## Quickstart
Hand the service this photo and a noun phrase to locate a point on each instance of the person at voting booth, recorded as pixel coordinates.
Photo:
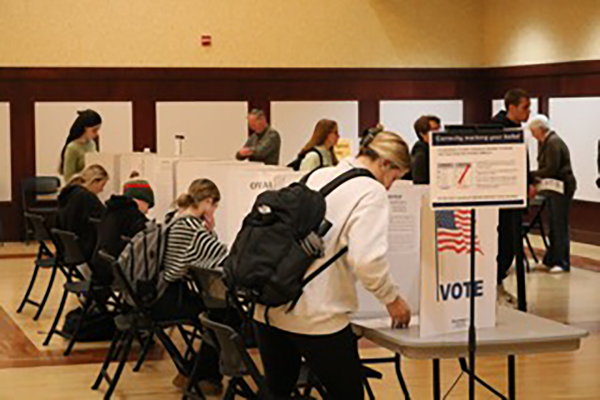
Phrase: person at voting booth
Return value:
(264, 143)
(554, 162)
(192, 243)
(318, 152)
(318, 327)
(420, 151)
(517, 110)
(81, 140)
(124, 217)
(79, 202)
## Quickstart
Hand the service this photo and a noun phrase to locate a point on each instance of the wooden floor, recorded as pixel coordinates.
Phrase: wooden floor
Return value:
(29, 370)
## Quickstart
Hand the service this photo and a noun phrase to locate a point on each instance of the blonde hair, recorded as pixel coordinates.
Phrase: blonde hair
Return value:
(93, 173)
(322, 130)
(199, 190)
(388, 146)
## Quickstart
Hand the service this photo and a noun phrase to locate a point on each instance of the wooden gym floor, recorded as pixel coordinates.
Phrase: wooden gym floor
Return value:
(29, 370)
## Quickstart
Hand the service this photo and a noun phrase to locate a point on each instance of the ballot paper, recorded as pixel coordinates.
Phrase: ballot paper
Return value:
(382, 322)
(551, 185)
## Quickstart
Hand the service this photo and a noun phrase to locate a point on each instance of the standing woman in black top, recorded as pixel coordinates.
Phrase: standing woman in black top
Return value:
(420, 151)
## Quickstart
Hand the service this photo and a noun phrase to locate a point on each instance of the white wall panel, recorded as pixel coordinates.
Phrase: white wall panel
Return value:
(577, 121)
(400, 116)
(215, 130)
(296, 120)
(54, 119)
(5, 153)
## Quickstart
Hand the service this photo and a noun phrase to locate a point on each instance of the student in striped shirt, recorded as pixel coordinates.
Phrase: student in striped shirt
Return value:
(192, 243)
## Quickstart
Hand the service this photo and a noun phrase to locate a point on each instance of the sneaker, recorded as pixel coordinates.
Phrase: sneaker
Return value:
(504, 298)
(557, 270)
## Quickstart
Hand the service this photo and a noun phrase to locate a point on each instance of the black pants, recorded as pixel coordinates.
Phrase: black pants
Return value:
(333, 358)
(559, 252)
(509, 240)
(180, 302)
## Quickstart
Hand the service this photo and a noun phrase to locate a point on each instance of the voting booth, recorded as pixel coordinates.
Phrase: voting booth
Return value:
(239, 184)
(159, 171)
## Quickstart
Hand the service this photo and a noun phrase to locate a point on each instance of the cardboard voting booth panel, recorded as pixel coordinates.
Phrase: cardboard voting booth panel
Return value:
(404, 245)
(239, 184)
(445, 270)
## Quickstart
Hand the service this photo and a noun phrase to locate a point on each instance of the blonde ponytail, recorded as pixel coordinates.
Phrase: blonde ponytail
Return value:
(199, 190)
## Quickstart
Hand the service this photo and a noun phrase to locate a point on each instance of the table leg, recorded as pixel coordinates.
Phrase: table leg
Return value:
(512, 385)
(437, 389)
(398, 365)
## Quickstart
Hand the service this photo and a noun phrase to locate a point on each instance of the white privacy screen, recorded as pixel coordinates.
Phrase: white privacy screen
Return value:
(215, 130)
(5, 167)
(54, 119)
(296, 120)
(577, 121)
(399, 116)
(532, 145)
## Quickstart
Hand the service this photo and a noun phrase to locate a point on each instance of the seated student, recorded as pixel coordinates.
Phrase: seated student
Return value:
(192, 243)
(78, 202)
(420, 151)
(125, 216)
(318, 152)
(318, 328)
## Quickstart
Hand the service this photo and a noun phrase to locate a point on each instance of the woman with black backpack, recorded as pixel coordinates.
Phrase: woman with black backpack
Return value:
(318, 328)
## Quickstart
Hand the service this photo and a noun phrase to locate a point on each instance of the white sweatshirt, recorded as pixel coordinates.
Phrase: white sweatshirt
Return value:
(359, 212)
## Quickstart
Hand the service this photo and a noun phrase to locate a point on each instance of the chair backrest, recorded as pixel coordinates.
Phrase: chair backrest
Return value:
(121, 282)
(40, 185)
(234, 357)
(212, 286)
(69, 250)
(37, 223)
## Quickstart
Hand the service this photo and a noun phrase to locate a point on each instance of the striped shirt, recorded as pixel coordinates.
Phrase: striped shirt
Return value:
(190, 244)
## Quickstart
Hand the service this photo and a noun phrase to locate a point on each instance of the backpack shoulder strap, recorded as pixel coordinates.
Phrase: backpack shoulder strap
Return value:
(320, 156)
(343, 178)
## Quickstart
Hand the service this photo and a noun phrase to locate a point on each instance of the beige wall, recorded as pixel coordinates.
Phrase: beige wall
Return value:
(541, 31)
(246, 33)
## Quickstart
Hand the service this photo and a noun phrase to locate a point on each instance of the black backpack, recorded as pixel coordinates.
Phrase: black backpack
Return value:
(279, 240)
(297, 163)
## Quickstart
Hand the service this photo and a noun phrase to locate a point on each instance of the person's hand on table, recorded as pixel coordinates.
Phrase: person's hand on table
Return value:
(246, 152)
(400, 313)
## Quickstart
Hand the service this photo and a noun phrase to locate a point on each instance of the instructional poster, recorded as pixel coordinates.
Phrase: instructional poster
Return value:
(404, 245)
(445, 270)
(478, 169)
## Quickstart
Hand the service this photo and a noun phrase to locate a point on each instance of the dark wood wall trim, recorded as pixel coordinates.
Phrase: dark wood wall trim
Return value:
(22, 87)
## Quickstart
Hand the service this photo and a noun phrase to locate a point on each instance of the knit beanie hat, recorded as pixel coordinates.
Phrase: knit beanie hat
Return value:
(139, 189)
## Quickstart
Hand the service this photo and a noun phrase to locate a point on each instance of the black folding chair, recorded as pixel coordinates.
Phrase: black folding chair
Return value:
(31, 189)
(133, 320)
(70, 258)
(45, 259)
(215, 293)
(538, 204)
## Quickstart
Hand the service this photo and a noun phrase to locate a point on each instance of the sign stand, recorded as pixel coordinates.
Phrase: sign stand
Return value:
(477, 167)
(472, 330)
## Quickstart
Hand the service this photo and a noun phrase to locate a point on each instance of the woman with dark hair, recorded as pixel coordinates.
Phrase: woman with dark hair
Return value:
(318, 152)
(81, 140)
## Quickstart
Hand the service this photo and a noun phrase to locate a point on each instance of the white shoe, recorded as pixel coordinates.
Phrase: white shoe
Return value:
(556, 270)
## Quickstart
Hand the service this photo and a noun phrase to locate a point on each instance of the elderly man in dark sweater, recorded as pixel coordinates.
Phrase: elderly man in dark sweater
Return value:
(554, 162)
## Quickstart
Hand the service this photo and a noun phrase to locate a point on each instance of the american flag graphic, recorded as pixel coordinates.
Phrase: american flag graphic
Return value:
(454, 232)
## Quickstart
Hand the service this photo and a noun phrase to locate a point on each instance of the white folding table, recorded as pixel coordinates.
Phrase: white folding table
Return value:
(515, 333)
